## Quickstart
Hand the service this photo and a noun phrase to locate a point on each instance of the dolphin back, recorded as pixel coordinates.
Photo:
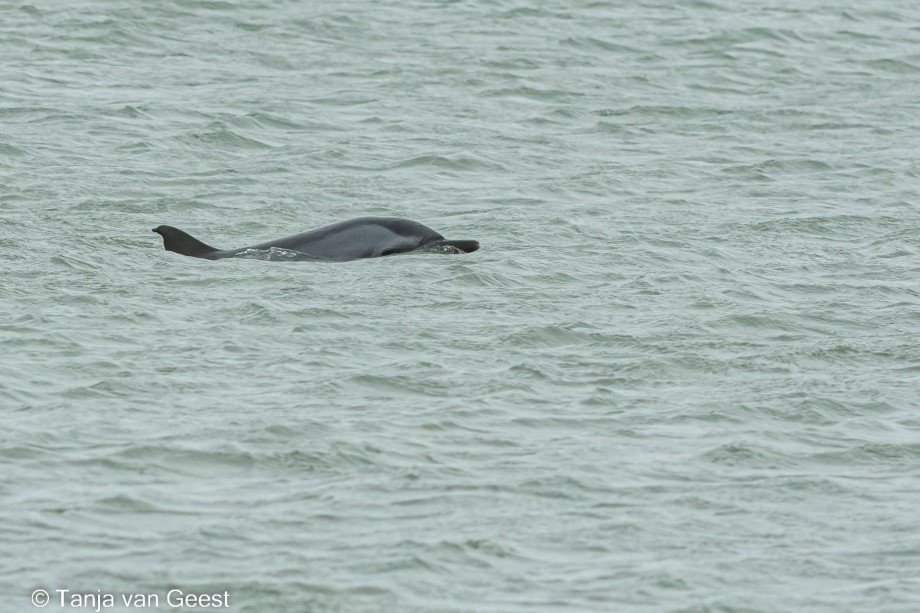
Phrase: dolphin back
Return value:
(364, 237)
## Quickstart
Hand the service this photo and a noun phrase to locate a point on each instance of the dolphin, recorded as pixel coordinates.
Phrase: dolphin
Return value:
(364, 237)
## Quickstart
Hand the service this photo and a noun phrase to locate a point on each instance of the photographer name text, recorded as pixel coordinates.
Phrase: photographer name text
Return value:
(99, 600)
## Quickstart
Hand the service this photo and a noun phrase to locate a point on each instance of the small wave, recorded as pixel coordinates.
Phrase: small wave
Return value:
(11, 150)
(459, 163)
(449, 249)
(533, 93)
(589, 43)
(276, 254)
(220, 136)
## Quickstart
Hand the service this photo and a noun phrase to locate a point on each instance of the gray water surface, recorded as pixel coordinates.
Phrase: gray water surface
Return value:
(682, 373)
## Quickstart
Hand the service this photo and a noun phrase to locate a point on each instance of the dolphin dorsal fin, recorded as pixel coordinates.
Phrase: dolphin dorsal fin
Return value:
(183, 243)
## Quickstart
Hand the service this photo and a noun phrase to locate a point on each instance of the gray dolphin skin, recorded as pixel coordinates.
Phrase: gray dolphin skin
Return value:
(364, 237)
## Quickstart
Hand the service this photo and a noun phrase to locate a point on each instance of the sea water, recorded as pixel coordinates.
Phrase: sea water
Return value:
(681, 374)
